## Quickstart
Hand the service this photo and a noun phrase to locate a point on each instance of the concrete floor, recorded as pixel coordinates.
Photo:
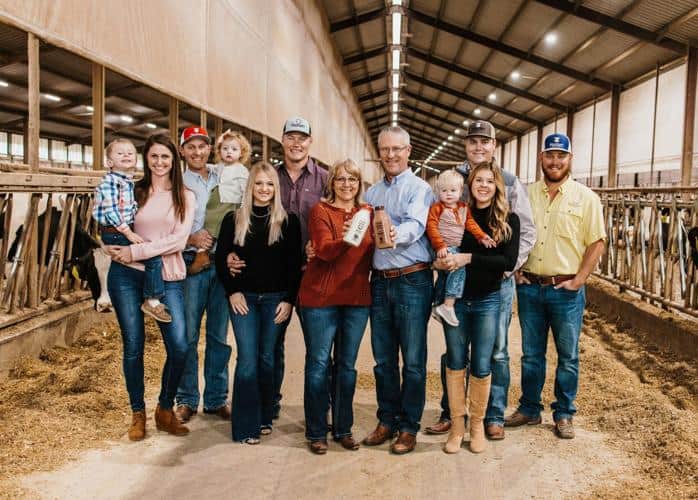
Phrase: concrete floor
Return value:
(529, 463)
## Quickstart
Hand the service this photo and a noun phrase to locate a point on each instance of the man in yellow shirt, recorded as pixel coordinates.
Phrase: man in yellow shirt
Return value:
(550, 286)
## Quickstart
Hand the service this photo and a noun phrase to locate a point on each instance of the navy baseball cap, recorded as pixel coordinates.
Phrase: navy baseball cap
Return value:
(557, 142)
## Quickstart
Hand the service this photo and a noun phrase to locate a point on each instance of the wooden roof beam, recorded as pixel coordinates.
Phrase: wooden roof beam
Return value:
(356, 20)
(365, 55)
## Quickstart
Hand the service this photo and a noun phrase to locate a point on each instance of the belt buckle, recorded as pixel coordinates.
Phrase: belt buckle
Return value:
(553, 280)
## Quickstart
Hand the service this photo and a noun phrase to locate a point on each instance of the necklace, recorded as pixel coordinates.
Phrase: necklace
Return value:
(262, 216)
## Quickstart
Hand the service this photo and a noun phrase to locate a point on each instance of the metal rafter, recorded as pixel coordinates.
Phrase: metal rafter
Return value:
(615, 24)
(368, 79)
(508, 49)
(476, 75)
(365, 54)
(356, 19)
(480, 102)
(372, 95)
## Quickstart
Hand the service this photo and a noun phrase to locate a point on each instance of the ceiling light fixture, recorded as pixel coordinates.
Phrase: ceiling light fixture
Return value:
(396, 80)
(151, 125)
(395, 95)
(52, 97)
(126, 119)
(396, 59)
(397, 28)
(466, 123)
(477, 111)
(492, 97)
(551, 38)
(3, 83)
(515, 75)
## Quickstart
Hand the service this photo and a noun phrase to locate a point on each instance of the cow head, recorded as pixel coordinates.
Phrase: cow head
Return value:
(91, 263)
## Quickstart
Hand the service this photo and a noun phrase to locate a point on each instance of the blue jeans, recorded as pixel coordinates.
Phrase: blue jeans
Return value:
(476, 332)
(153, 284)
(499, 364)
(542, 308)
(253, 388)
(399, 314)
(344, 327)
(452, 282)
(203, 292)
(125, 286)
(500, 358)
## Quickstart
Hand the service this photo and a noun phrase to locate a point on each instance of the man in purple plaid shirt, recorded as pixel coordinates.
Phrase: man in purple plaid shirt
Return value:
(115, 211)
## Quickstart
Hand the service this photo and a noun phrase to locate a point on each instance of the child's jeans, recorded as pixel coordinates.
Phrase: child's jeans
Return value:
(450, 284)
(153, 284)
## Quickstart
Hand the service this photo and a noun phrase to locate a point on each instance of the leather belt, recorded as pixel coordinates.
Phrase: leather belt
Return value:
(401, 271)
(548, 280)
(108, 229)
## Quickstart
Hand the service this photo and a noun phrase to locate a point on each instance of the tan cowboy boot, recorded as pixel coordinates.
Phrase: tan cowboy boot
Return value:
(137, 430)
(455, 386)
(479, 394)
(165, 420)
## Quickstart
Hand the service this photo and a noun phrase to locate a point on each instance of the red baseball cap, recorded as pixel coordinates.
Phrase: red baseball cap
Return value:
(190, 133)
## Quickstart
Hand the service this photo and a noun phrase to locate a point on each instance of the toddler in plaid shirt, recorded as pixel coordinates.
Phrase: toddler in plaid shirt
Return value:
(115, 211)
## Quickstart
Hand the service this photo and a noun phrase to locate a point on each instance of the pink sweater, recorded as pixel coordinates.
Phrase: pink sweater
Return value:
(164, 233)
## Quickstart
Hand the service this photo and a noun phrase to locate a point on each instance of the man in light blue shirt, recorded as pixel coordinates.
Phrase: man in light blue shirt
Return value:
(401, 287)
(203, 292)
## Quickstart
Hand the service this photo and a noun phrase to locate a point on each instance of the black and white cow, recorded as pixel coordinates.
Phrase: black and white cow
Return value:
(88, 261)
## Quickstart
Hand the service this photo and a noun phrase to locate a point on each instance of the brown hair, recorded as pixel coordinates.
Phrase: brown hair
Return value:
(229, 135)
(499, 208)
(142, 189)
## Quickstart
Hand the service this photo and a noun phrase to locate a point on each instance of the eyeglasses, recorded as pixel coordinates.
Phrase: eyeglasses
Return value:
(346, 180)
(395, 150)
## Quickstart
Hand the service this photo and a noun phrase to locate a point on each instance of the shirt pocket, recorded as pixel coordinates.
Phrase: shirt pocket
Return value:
(569, 222)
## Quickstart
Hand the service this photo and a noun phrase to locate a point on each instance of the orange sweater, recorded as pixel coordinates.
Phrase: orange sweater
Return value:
(433, 224)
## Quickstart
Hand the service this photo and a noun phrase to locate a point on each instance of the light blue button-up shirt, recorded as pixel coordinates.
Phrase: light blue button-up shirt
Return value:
(406, 199)
(202, 189)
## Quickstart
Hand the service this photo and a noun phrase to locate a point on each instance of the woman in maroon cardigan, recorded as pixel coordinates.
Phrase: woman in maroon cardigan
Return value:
(334, 302)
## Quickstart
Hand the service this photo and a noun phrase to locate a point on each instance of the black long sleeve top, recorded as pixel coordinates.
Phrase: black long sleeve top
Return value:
(268, 268)
(486, 269)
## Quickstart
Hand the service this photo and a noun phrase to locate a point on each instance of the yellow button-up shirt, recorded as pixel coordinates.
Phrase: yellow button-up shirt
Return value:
(565, 226)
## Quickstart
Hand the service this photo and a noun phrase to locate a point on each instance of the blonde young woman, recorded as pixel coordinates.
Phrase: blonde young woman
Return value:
(478, 310)
(261, 296)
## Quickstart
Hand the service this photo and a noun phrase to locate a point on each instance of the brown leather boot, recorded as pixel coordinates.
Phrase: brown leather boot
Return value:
(477, 404)
(165, 420)
(201, 261)
(455, 385)
(137, 430)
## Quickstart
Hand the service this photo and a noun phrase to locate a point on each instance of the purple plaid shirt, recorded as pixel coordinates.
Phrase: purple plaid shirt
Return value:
(299, 197)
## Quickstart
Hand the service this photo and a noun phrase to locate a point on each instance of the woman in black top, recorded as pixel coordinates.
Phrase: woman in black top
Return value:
(261, 296)
(478, 310)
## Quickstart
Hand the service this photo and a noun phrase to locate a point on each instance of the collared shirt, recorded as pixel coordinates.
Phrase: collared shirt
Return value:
(407, 200)
(202, 190)
(300, 196)
(115, 203)
(566, 226)
(518, 203)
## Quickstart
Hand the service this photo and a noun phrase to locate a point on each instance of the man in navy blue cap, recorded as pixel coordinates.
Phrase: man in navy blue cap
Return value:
(550, 286)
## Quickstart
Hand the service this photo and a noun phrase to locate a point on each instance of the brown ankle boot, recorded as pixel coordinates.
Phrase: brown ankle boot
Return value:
(455, 385)
(137, 430)
(165, 420)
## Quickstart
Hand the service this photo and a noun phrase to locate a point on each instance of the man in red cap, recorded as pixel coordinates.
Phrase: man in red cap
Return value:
(203, 292)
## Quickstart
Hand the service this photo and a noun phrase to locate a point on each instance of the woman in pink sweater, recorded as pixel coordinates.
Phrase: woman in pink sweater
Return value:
(164, 219)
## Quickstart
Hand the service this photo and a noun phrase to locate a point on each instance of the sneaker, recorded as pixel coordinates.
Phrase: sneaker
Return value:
(159, 312)
(448, 314)
(435, 315)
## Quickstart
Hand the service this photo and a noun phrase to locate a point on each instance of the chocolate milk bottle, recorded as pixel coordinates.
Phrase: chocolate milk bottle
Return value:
(381, 228)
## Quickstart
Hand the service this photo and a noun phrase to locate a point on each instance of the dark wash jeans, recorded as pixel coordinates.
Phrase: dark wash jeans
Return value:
(253, 387)
(125, 287)
(543, 308)
(344, 327)
(477, 331)
(153, 284)
(399, 314)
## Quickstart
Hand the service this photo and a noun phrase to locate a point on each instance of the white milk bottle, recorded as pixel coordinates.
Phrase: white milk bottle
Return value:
(359, 225)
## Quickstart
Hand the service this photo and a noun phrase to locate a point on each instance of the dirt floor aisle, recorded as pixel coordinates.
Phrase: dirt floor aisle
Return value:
(531, 462)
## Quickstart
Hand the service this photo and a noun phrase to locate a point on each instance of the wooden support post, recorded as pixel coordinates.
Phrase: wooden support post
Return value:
(265, 149)
(613, 139)
(518, 155)
(173, 120)
(203, 118)
(539, 147)
(97, 116)
(31, 151)
(218, 127)
(689, 116)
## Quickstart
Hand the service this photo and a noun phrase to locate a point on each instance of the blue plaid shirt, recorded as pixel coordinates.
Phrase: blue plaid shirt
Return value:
(115, 203)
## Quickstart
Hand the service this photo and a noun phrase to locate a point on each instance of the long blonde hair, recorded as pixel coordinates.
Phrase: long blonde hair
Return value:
(277, 214)
(499, 208)
(351, 169)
